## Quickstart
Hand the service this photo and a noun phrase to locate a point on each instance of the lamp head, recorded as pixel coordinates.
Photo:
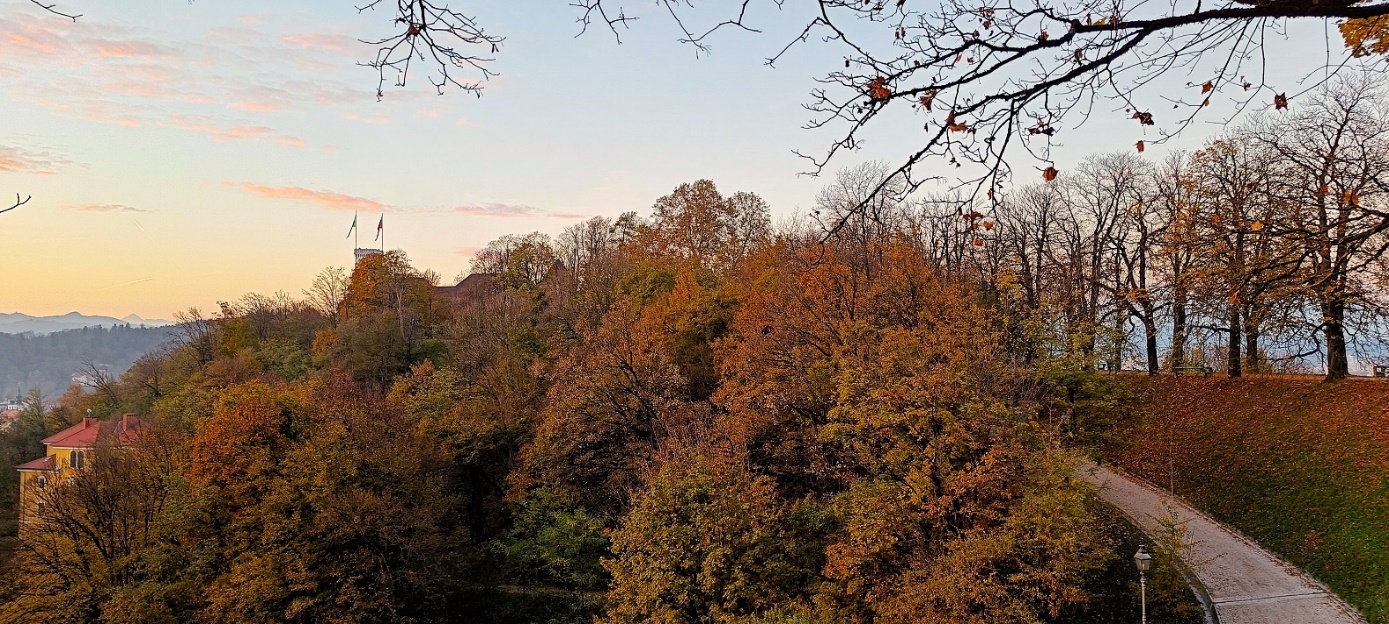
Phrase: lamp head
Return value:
(1142, 559)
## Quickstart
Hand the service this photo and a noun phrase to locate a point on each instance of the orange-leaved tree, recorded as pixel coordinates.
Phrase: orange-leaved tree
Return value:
(707, 540)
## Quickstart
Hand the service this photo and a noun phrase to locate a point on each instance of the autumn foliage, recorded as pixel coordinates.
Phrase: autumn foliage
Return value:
(687, 418)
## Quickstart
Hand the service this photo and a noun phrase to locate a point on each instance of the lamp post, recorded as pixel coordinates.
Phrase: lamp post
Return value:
(1144, 561)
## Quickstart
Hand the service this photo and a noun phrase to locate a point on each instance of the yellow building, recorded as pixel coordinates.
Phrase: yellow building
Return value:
(67, 451)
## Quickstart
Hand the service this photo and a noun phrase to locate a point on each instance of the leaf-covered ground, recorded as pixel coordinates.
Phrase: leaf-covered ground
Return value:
(1300, 466)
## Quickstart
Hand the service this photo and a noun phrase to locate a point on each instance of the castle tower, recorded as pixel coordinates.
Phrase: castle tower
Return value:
(362, 253)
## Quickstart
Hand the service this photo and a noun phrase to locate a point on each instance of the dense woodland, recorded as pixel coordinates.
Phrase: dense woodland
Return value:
(47, 362)
(693, 416)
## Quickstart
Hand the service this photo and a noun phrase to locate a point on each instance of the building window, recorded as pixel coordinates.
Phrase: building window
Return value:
(77, 460)
(41, 483)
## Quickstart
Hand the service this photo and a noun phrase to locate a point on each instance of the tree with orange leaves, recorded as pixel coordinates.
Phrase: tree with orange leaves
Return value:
(706, 541)
(890, 398)
(612, 403)
(697, 224)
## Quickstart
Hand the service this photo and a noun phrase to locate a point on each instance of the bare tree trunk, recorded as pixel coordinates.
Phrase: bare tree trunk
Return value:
(1179, 329)
(1337, 362)
(1252, 361)
(1116, 362)
(1150, 333)
(1233, 359)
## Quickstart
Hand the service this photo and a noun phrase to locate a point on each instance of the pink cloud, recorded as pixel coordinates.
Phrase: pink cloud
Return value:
(18, 42)
(152, 91)
(127, 49)
(252, 106)
(327, 199)
(100, 61)
(20, 160)
(243, 132)
(220, 82)
(372, 118)
(105, 111)
(340, 44)
(212, 128)
(113, 208)
(496, 210)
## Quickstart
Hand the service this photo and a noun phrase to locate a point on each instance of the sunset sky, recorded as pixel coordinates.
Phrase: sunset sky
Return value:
(184, 153)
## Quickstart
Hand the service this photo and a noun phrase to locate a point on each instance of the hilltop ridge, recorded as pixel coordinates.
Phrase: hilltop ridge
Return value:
(18, 322)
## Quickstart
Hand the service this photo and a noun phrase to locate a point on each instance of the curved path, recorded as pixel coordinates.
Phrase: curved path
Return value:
(1247, 584)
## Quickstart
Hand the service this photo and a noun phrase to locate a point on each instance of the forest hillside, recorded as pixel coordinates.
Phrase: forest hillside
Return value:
(689, 416)
(48, 361)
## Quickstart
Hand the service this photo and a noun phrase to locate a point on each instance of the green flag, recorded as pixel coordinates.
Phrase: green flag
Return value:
(354, 225)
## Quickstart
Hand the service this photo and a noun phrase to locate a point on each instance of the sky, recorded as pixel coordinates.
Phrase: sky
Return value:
(183, 153)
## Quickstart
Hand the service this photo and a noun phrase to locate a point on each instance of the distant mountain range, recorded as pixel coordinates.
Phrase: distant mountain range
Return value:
(17, 323)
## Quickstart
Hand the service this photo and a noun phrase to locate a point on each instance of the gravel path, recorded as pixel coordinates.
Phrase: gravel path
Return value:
(1247, 584)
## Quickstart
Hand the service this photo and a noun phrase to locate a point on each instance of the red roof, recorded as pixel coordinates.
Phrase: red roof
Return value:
(473, 286)
(85, 433)
(42, 463)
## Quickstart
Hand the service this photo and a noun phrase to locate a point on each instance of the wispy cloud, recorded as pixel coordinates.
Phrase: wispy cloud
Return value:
(340, 44)
(20, 160)
(218, 132)
(130, 75)
(130, 283)
(493, 209)
(117, 208)
(371, 118)
(497, 210)
(344, 201)
(127, 49)
(238, 133)
(327, 199)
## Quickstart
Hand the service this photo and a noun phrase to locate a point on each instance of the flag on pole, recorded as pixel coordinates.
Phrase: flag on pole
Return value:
(379, 226)
(354, 225)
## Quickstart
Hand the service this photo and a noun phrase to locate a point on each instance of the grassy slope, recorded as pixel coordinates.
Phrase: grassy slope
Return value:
(1300, 466)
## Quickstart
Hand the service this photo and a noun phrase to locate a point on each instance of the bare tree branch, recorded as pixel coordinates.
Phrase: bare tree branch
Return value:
(990, 77)
(17, 203)
(996, 76)
(593, 10)
(52, 8)
(432, 33)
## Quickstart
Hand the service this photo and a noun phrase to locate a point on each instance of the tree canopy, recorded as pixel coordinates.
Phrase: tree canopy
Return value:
(696, 418)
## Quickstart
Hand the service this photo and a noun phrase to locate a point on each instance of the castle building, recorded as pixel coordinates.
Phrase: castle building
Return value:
(360, 253)
(68, 451)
